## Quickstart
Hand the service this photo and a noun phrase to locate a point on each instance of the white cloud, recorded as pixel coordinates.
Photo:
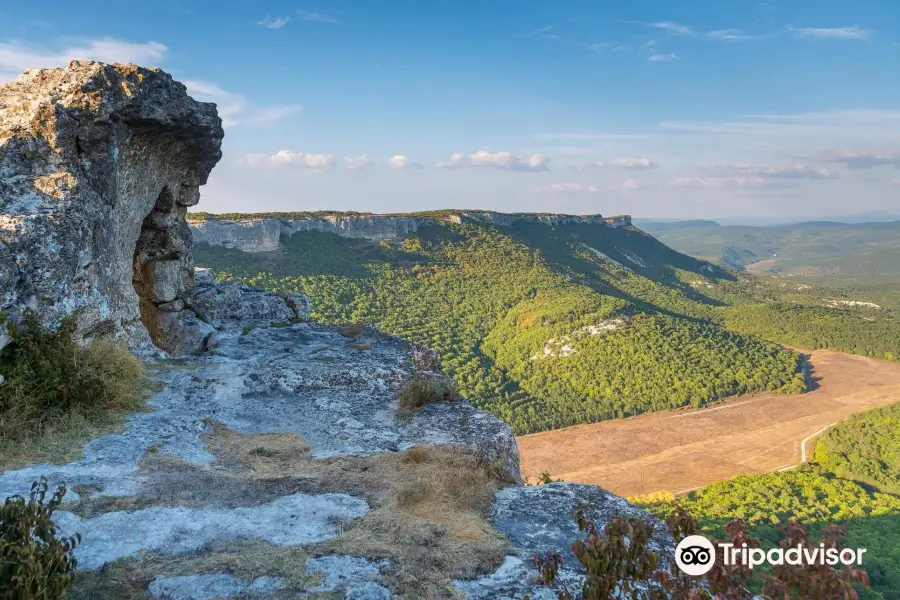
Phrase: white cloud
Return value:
(671, 27)
(732, 34)
(856, 159)
(16, 57)
(276, 23)
(400, 161)
(315, 17)
(618, 163)
(233, 108)
(497, 160)
(359, 163)
(797, 171)
(546, 33)
(631, 184)
(281, 158)
(663, 57)
(838, 33)
(568, 188)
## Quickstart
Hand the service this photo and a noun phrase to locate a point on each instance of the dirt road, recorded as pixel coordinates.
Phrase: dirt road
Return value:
(682, 450)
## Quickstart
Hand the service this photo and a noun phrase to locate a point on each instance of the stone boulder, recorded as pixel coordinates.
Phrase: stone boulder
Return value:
(98, 165)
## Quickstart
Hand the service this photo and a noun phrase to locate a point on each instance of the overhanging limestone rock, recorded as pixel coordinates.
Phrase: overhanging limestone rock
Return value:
(98, 165)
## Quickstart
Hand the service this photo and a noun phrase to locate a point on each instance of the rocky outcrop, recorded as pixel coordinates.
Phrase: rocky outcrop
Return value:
(275, 460)
(98, 166)
(251, 233)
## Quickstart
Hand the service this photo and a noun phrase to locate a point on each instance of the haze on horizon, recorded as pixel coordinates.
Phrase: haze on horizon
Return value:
(683, 109)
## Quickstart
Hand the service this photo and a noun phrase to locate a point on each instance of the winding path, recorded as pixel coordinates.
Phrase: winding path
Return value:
(683, 450)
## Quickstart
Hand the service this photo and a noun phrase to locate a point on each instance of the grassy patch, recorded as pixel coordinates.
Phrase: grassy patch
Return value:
(420, 391)
(58, 395)
(428, 505)
(360, 347)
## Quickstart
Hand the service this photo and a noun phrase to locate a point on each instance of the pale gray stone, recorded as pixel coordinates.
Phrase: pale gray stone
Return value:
(92, 157)
(211, 587)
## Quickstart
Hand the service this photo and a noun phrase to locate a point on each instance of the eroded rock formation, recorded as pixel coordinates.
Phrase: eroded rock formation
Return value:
(98, 166)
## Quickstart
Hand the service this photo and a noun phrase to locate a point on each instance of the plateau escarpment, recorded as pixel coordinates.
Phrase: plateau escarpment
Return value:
(263, 233)
(274, 460)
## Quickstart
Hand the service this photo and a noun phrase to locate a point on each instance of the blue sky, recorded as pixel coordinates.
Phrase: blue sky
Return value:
(670, 108)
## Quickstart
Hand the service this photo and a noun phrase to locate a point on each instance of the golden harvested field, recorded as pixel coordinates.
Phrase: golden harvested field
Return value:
(682, 450)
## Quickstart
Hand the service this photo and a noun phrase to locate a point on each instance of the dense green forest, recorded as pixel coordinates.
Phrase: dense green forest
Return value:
(815, 497)
(865, 447)
(543, 326)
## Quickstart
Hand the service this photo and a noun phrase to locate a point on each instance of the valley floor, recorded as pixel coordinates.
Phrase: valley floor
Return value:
(682, 450)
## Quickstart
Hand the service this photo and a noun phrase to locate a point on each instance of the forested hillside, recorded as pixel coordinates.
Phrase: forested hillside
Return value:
(824, 252)
(543, 326)
(854, 481)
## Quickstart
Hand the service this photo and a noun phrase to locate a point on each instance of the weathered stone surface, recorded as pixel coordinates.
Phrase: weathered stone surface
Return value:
(352, 574)
(183, 332)
(538, 520)
(211, 587)
(236, 305)
(97, 165)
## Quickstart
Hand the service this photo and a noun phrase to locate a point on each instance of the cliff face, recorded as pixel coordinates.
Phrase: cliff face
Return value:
(253, 234)
(98, 165)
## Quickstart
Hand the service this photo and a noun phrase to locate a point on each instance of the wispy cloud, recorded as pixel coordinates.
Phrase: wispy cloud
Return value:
(15, 57)
(609, 47)
(547, 32)
(722, 183)
(862, 159)
(497, 160)
(402, 162)
(234, 109)
(671, 27)
(358, 163)
(834, 33)
(663, 57)
(568, 188)
(316, 17)
(796, 171)
(732, 35)
(618, 163)
(276, 23)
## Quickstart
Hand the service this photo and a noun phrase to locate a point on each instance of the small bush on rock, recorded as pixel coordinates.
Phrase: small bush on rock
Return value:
(421, 390)
(34, 564)
(49, 377)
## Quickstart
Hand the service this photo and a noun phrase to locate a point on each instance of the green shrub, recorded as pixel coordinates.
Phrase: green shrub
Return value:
(34, 564)
(421, 390)
(619, 563)
(50, 378)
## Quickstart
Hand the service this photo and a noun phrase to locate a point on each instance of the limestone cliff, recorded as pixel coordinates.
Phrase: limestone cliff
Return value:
(98, 165)
(253, 233)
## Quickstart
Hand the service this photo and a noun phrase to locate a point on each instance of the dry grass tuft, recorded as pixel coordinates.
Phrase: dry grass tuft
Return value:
(428, 505)
(420, 391)
(58, 395)
(353, 330)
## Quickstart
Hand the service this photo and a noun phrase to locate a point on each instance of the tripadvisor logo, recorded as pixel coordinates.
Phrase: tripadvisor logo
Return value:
(696, 555)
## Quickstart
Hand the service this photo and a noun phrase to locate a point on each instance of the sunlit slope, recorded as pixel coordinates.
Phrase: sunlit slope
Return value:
(543, 326)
